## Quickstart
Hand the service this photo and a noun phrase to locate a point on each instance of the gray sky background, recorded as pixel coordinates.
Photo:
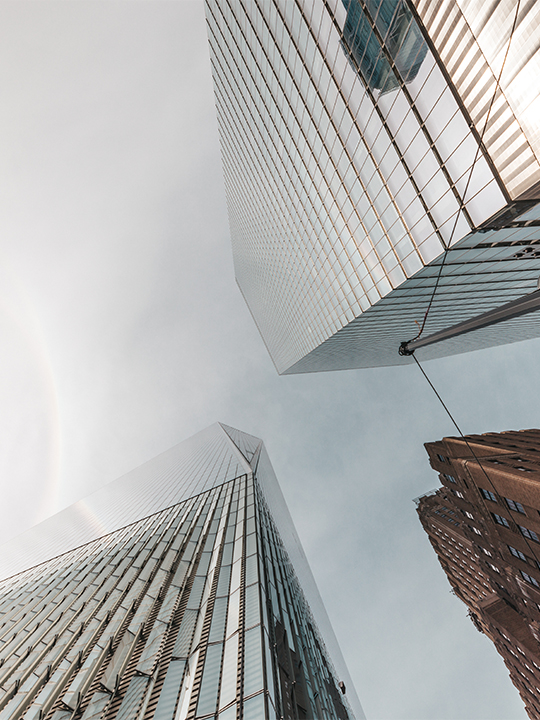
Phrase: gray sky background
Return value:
(124, 333)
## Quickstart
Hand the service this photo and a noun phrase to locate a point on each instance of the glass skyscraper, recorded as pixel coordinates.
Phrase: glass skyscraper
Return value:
(361, 140)
(179, 591)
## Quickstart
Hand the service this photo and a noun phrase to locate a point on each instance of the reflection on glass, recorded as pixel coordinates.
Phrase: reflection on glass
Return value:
(380, 33)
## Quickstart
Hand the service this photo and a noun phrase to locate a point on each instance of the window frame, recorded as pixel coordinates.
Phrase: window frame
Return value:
(488, 495)
(526, 532)
(515, 506)
(501, 520)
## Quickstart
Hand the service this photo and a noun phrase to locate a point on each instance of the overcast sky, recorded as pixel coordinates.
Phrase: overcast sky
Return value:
(124, 333)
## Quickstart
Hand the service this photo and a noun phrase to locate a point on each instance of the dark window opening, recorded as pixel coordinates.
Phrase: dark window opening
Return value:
(515, 506)
(500, 520)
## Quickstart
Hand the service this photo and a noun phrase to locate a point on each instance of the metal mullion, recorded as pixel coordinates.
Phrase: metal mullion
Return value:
(258, 553)
(129, 667)
(37, 661)
(294, 601)
(432, 145)
(98, 560)
(242, 600)
(214, 590)
(16, 622)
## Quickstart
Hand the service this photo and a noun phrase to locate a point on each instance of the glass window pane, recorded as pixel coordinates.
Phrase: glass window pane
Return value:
(210, 680)
(254, 708)
(132, 698)
(183, 641)
(253, 668)
(228, 714)
(251, 570)
(224, 577)
(169, 694)
(229, 674)
(232, 618)
(252, 616)
(97, 705)
(217, 628)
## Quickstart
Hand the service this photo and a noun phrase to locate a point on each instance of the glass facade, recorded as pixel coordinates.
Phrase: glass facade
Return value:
(472, 39)
(192, 611)
(352, 162)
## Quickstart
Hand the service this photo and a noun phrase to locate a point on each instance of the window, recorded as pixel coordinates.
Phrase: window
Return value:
(500, 520)
(488, 495)
(486, 552)
(517, 553)
(458, 494)
(528, 578)
(528, 533)
(469, 515)
(450, 478)
(515, 506)
(441, 457)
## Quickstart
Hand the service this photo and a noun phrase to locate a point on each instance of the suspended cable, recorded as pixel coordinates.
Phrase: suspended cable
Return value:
(464, 195)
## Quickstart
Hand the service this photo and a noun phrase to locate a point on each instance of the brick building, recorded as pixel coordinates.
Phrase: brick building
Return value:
(484, 525)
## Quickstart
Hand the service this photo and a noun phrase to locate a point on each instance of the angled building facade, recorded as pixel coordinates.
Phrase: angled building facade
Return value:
(484, 525)
(169, 595)
(361, 140)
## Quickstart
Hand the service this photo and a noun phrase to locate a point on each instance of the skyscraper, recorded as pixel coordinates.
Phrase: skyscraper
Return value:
(363, 141)
(484, 525)
(178, 591)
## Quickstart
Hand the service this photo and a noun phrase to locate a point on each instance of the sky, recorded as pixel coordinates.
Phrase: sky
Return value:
(124, 333)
